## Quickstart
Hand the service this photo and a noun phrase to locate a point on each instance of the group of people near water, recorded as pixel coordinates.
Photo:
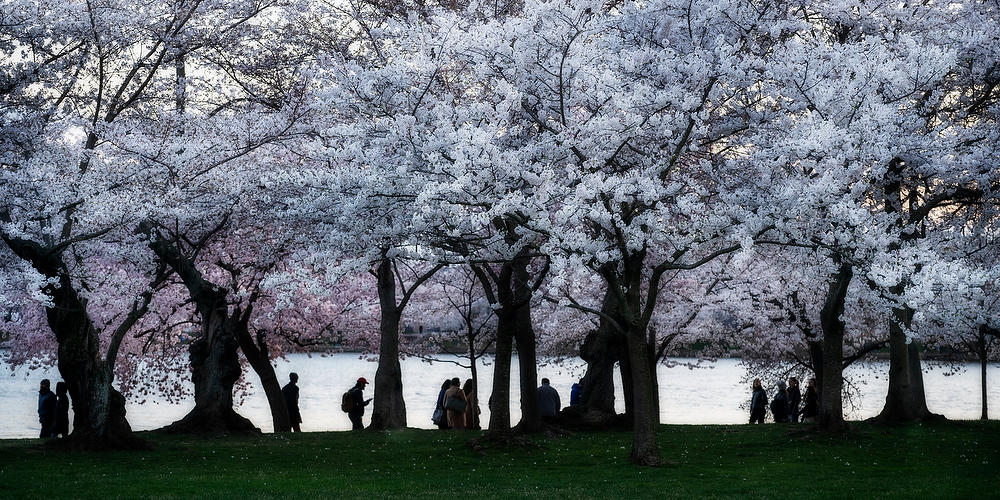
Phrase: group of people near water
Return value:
(785, 405)
(456, 406)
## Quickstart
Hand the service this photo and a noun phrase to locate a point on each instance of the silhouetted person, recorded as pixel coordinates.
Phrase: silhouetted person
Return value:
(358, 410)
(779, 405)
(548, 400)
(440, 417)
(576, 393)
(811, 408)
(758, 403)
(46, 409)
(62, 410)
(472, 410)
(456, 413)
(291, 393)
(794, 398)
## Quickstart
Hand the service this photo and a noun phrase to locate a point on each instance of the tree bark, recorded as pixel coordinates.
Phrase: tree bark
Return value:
(98, 409)
(831, 412)
(499, 401)
(260, 361)
(389, 411)
(598, 382)
(531, 420)
(645, 447)
(214, 355)
(215, 368)
(601, 349)
(905, 401)
(982, 385)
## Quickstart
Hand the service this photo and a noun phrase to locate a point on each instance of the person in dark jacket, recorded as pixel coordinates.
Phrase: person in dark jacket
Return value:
(472, 410)
(46, 409)
(62, 410)
(440, 417)
(358, 410)
(779, 405)
(291, 393)
(758, 403)
(576, 393)
(794, 398)
(811, 408)
(548, 400)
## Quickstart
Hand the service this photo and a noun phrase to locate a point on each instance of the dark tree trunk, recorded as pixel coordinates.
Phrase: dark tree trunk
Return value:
(215, 368)
(389, 410)
(531, 420)
(816, 357)
(639, 359)
(831, 412)
(499, 401)
(598, 382)
(983, 362)
(98, 409)
(214, 354)
(905, 400)
(260, 360)
(601, 349)
(645, 449)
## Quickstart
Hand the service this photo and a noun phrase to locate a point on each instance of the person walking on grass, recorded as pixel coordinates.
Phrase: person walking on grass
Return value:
(358, 404)
(291, 393)
(455, 403)
(548, 400)
(46, 409)
(62, 411)
(794, 398)
(758, 403)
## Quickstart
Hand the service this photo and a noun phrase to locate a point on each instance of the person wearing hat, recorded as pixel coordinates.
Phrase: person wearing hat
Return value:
(358, 409)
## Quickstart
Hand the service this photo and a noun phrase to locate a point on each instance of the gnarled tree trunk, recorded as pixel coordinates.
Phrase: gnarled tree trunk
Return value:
(98, 409)
(215, 365)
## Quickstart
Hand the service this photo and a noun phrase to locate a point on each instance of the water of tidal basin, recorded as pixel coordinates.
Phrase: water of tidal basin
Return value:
(709, 395)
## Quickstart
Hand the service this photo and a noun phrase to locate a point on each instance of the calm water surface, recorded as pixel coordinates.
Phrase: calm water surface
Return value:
(708, 395)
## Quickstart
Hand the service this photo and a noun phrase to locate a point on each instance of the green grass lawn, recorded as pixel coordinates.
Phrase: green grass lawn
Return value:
(949, 460)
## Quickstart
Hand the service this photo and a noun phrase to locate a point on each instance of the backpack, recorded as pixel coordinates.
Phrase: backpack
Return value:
(347, 402)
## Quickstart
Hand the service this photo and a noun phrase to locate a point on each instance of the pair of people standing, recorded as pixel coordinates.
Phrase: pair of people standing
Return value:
(53, 409)
(456, 406)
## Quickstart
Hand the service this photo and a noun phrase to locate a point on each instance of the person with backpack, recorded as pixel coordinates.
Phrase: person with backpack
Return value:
(455, 402)
(440, 415)
(779, 405)
(758, 403)
(354, 404)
